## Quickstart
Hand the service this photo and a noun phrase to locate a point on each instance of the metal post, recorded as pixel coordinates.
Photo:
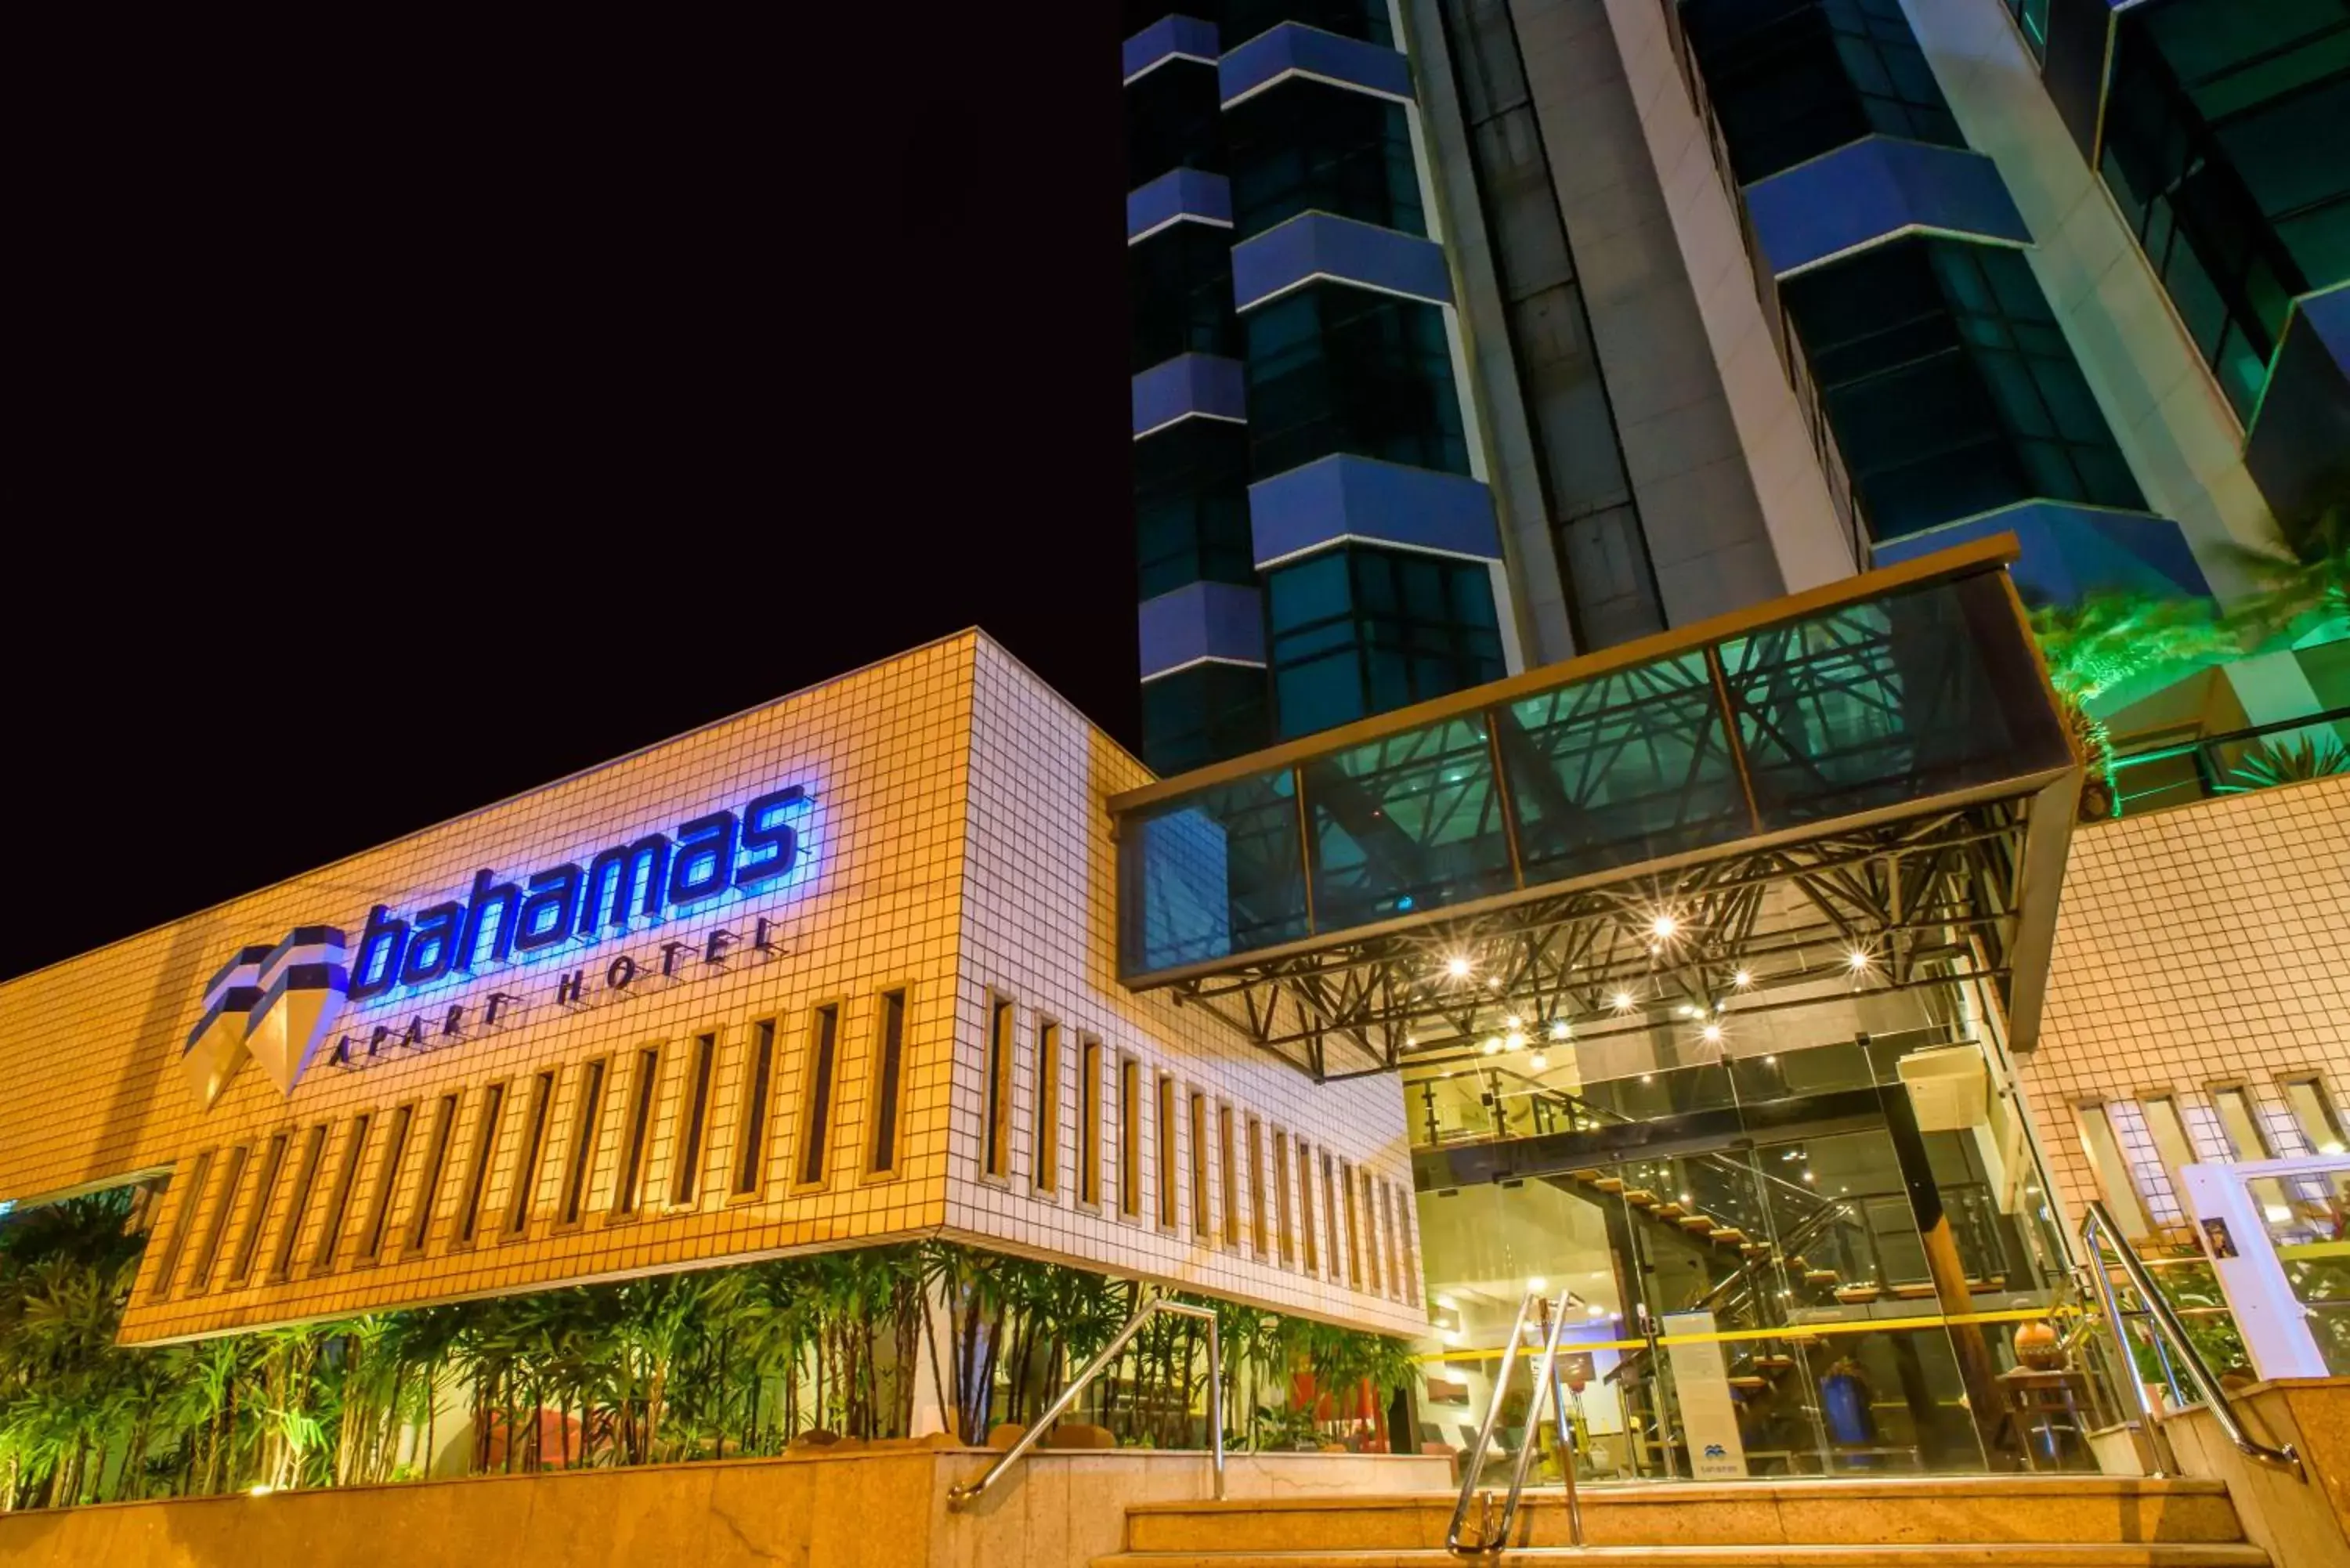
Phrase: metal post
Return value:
(2165, 1463)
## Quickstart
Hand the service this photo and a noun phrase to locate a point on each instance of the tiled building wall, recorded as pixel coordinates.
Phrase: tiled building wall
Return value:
(396, 1182)
(1039, 912)
(2197, 951)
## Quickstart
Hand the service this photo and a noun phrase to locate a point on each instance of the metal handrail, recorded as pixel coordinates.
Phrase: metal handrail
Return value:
(964, 1495)
(1493, 1535)
(2098, 1228)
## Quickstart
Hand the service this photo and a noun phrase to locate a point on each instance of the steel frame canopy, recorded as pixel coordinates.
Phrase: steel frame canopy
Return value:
(1870, 782)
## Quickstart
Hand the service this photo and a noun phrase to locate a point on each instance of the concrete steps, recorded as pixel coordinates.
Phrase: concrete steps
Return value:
(2086, 1521)
(2160, 1555)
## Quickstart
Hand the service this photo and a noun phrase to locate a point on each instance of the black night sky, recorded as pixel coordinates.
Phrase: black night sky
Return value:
(449, 414)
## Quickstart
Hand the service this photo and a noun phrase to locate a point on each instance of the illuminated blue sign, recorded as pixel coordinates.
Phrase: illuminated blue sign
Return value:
(646, 879)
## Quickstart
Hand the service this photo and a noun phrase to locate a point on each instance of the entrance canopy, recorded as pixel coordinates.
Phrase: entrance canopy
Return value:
(1871, 781)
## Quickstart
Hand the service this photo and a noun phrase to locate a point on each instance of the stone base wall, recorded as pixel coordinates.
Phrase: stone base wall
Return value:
(883, 1506)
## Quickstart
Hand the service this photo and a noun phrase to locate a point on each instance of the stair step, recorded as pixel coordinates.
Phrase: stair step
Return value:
(1639, 1198)
(1697, 1224)
(1609, 1183)
(2000, 1555)
(1821, 1276)
(1752, 1516)
(1751, 1250)
(1728, 1236)
(1668, 1211)
(1588, 1173)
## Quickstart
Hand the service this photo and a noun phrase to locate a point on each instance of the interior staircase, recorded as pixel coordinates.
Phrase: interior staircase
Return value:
(2086, 1521)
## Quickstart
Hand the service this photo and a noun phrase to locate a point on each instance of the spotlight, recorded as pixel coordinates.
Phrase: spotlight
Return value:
(1857, 960)
(1665, 927)
(1742, 979)
(1623, 1001)
(1515, 1040)
(1538, 1062)
(1712, 1033)
(1513, 1022)
(1492, 1046)
(1536, 1285)
(1558, 1029)
(1458, 968)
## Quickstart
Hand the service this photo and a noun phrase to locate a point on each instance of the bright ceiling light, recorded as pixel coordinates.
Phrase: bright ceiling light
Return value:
(1857, 960)
(1536, 1285)
(1665, 927)
(1712, 1033)
(1742, 979)
(1538, 1062)
(1458, 968)
(1558, 1029)
(1623, 1001)
(1492, 1046)
(1515, 1040)
(1513, 1022)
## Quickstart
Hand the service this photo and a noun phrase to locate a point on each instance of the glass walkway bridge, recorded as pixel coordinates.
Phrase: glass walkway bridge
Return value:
(1869, 782)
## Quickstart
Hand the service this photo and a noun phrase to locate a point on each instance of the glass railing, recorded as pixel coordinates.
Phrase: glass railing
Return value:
(2153, 775)
(1888, 698)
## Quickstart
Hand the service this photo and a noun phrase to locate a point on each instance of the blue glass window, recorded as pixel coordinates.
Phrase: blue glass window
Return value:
(1220, 871)
(1950, 386)
(1337, 369)
(1181, 282)
(1358, 630)
(1306, 146)
(1791, 79)
(1201, 715)
(1409, 822)
(1190, 506)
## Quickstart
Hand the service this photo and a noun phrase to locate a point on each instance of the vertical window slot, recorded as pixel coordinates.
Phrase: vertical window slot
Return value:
(524, 1195)
(1203, 1223)
(751, 1157)
(644, 1094)
(687, 1183)
(1166, 1161)
(1047, 1172)
(216, 1229)
(436, 1166)
(477, 1174)
(191, 1199)
(297, 1209)
(889, 1080)
(1089, 1108)
(1305, 1208)
(338, 1201)
(265, 1193)
(1257, 1187)
(1129, 1138)
(587, 1120)
(824, 1041)
(995, 1130)
(387, 1183)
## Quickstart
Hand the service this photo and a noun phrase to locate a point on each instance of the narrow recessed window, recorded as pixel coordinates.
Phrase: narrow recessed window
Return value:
(1407, 1283)
(889, 1080)
(1257, 1187)
(824, 1042)
(1305, 1208)
(436, 1166)
(477, 1170)
(1129, 1138)
(687, 1183)
(1227, 1178)
(751, 1155)
(306, 1182)
(1281, 1210)
(1047, 1171)
(216, 1228)
(338, 1199)
(2171, 1145)
(387, 1183)
(265, 1193)
(2314, 1114)
(2112, 1170)
(1203, 1224)
(1390, 1224)
(587, 1120)
(1330, 1213)
(1165, 1165)
(192, 1196)
(525, 1195)
(1354, 1235)
(2246, 1138)
(1090, 1099)
(995, 1131)
(644, 1094)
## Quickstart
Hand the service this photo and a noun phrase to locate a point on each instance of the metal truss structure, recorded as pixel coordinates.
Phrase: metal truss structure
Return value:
(1920, 897)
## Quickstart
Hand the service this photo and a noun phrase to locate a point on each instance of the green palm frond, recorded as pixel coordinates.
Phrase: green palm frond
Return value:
(2313, 756)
